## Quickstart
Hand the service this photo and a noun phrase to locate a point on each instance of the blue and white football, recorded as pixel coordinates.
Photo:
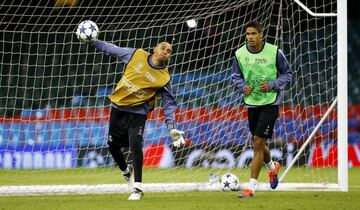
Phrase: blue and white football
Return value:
(86, 31)
(229, 182)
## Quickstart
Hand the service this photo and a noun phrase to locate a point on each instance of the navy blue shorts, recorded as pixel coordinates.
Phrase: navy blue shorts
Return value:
(125, 127)
(262, 120)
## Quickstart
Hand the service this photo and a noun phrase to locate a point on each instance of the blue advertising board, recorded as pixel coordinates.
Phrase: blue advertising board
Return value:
(37, 157)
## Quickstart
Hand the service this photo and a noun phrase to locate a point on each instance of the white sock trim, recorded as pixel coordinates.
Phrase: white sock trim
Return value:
(253, 184)
(137, 185)
(270, 165)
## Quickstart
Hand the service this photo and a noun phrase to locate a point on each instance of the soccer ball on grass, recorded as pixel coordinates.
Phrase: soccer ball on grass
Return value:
(86, 31)
(229, 182)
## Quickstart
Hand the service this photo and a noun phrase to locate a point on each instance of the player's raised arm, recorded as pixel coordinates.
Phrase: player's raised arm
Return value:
(88, 32)
(123, 53)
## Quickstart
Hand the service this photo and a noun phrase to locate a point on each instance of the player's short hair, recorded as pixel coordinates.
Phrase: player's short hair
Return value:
(164, 42)
(255, 24)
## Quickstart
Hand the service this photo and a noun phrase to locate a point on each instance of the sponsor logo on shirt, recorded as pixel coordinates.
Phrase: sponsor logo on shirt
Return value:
(131, 88)
(138, 67)
(261, 60)
(150, 77)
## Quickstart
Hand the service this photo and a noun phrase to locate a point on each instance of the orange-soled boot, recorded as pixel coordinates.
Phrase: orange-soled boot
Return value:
(247, 193)
(273, 177)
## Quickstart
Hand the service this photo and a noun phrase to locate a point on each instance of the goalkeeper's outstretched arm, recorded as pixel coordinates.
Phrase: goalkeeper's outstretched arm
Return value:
(124, 53)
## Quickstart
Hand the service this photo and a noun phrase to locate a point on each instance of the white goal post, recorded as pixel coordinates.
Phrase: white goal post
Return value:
(54, 109)
(343, 96)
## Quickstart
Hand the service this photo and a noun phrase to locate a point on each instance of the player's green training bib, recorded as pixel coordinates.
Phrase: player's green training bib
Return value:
(258, 68)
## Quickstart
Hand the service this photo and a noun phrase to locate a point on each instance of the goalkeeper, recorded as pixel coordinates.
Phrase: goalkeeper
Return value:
(260, 71)
(145, 76)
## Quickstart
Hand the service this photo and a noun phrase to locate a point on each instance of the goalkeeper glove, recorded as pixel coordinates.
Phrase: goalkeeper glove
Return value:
(176, 137)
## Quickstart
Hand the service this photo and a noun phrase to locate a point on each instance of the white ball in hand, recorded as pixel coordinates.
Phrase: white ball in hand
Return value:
(87, 31)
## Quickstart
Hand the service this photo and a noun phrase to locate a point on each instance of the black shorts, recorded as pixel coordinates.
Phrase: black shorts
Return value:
(262, 120)
(125, 127)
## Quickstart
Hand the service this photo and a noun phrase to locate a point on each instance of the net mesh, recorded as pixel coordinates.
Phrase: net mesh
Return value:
(54, 108)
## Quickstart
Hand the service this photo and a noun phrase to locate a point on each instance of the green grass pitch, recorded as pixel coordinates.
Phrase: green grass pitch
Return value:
(177, 200)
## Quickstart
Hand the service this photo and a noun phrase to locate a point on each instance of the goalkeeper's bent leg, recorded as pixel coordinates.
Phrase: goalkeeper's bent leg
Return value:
(136, 144)
(116, 153)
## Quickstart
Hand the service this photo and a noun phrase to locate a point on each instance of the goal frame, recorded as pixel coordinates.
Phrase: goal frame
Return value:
(342, 124)
(342, 92)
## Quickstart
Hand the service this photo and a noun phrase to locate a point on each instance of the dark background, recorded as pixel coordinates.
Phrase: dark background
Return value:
(353, 10)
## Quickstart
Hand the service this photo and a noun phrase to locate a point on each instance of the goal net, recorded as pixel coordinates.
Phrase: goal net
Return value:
(55, 112)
